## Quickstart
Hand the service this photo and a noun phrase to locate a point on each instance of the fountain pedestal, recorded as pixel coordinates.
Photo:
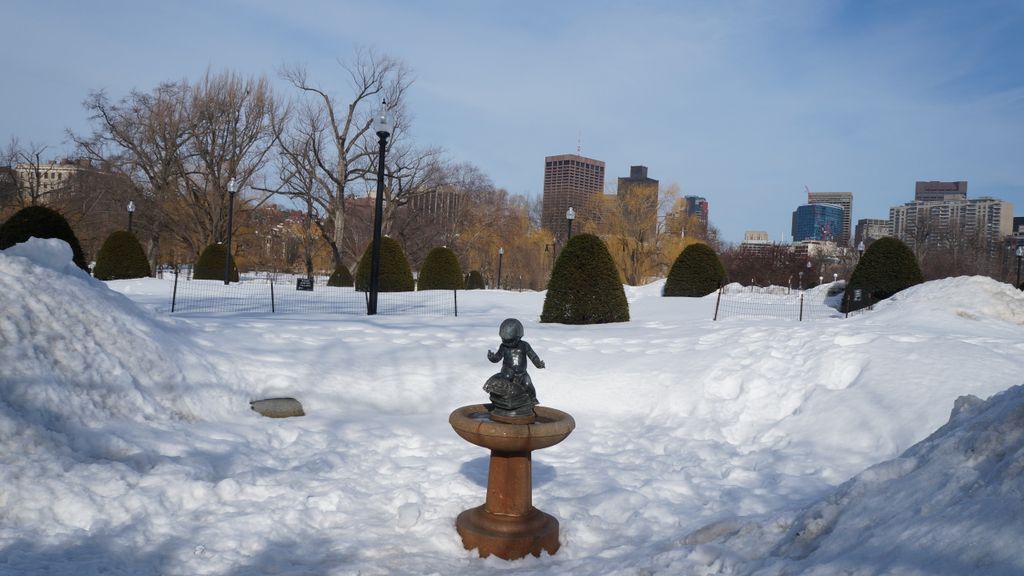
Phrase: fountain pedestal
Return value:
(507, 525)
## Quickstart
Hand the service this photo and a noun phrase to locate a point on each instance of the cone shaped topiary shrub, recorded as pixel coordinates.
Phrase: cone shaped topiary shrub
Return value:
(395, 273)
(696, 272)
(441, 271)
(341, 277)
(211, 265)
(475, 281)
(121, 257)
(886, 267)
(41, 222)
(585, 287)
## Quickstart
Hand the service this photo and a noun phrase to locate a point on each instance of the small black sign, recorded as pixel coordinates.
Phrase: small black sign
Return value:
(304, 284)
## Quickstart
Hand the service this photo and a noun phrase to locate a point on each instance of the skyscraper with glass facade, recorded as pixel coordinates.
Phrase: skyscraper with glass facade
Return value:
(818, 222)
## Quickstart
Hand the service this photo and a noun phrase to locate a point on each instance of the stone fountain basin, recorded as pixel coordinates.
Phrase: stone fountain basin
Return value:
(474, 424)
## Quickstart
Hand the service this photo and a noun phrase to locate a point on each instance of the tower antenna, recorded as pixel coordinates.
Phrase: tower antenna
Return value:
(579, 143)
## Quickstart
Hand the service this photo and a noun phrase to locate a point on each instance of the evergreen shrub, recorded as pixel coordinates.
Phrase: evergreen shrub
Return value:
(211, 265)
(121, 257)
(41, 222)
(585, 287)
(341, 277)
(475, 281)
(886, 267)
(440, 271)
(696, 272)
(395, 273)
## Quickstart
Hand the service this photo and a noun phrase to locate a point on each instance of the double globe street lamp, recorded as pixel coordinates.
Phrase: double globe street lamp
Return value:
(382, 126)
(131, 210)
(570, 215)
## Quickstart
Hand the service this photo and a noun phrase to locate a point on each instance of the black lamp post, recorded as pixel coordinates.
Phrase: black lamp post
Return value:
(501, 254)
(570, 215)
(232, 188)
(382, 126)
(860, 250)
(1020, 254)
(131, 210)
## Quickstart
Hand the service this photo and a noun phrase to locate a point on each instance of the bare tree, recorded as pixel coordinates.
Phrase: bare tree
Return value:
(345, 155)
(233, 126)
(29, 169)
(302, 180)
(143, 136)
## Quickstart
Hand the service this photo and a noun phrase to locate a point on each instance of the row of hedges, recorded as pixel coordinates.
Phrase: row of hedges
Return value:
(585, 287)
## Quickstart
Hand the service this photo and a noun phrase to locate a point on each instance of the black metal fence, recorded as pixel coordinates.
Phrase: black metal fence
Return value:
(773, 302)
(279, 296)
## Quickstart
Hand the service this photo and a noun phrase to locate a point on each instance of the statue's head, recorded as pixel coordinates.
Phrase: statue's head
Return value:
(511, 330)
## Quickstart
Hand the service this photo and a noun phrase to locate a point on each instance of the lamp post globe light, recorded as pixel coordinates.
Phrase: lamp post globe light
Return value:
(501, 254)
(570, 215)
(131, 210)
(232, 188)
(382, 126)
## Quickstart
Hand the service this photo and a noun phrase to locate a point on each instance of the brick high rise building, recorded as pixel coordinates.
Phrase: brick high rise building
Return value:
(570, 180)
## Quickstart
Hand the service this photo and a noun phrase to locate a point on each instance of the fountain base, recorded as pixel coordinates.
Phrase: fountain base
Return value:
(508, 537)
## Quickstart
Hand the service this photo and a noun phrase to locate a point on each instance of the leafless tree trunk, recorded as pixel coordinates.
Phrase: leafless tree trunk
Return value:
(348, 152)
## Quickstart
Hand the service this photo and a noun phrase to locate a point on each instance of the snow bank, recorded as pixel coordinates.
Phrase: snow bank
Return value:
(951, 504)
(75, 353)
(972, 297)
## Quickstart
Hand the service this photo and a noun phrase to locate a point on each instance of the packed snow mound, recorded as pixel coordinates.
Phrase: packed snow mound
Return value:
(972, 297)
(950, 504)
(73, 352)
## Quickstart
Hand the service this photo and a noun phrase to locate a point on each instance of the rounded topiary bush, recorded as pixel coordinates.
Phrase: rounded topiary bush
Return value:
(585, 287)
(441, 271)
(41, 222)
(341, 277)
(475, 281)
(121, 257)
(886, 267)
(395, 273)
(696, 272)
(211, 265)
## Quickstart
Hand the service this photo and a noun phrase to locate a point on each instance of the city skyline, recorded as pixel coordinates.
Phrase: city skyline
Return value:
(741, 102)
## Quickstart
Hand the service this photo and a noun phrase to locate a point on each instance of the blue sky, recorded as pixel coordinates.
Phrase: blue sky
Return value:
(743, 102)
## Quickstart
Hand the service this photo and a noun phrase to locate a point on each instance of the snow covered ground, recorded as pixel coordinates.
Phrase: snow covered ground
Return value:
(745, 446)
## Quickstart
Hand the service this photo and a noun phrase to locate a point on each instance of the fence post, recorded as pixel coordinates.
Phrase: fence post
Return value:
(801, 307)
(174, 293)
(717, 301)
(455, 295)
(272, 310)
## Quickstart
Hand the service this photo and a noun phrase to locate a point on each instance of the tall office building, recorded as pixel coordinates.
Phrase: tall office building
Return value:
(845, 201)
(570, 180)
(638, 199)
(817, 222)
(697, 206)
